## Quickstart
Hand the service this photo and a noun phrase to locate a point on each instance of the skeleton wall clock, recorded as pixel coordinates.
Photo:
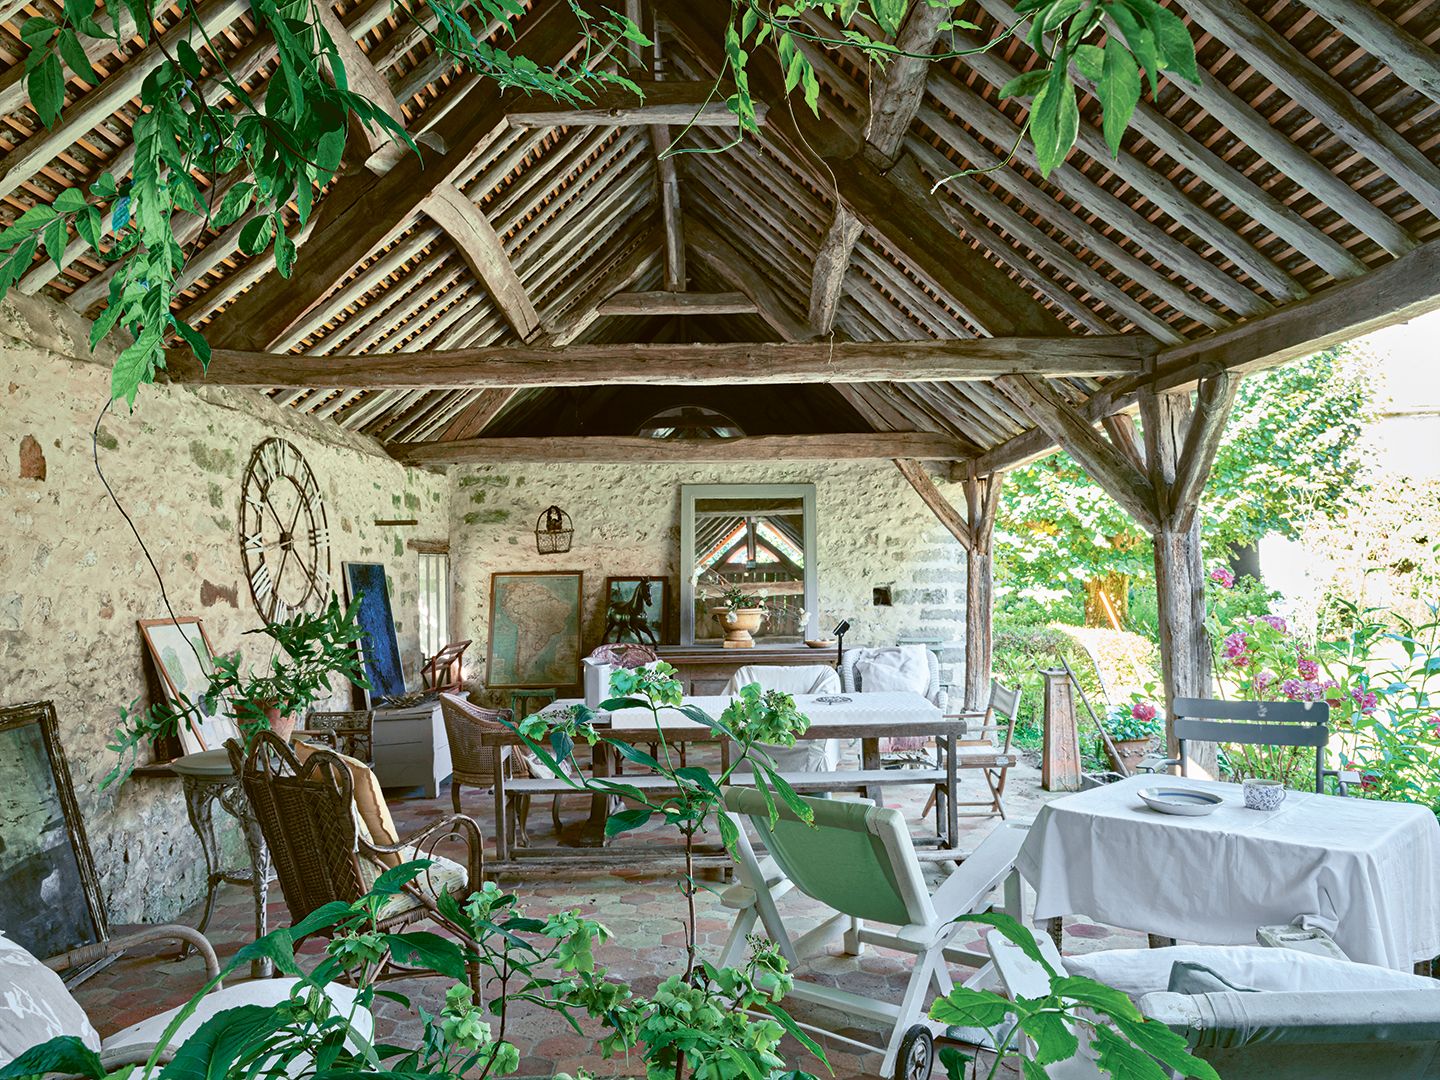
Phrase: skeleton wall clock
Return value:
(284, 539)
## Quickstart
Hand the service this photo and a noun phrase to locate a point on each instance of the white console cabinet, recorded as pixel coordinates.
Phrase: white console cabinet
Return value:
(411, 748)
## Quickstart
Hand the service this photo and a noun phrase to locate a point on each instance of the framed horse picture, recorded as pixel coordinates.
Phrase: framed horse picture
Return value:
(637, 609)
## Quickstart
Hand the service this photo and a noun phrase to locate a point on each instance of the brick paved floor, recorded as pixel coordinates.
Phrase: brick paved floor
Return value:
(644, 910)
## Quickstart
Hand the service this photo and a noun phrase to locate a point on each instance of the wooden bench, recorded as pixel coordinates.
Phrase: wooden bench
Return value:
(860, 781)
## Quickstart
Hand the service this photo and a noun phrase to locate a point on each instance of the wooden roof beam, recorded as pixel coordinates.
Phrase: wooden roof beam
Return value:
(1397, 292)
(673, 303)
(484, 253)
(1246, 124)
(675, 276)
(1324, 98)
(721, 257)
(694, 104)
(627, 450)
(362, 212)
(897, 93)
(714, 365)
(1233, 185)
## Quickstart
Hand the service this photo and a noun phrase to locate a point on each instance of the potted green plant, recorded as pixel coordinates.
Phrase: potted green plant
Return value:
(1133, 730)
(309, 650)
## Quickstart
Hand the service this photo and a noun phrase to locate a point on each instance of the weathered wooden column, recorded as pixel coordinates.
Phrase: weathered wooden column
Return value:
(975, 533)
(1160, 488)
(1060, 753)
(982, 497)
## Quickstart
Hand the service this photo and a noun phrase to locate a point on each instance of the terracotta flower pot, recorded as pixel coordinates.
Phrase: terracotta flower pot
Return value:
(738, 622)
(1131, 752)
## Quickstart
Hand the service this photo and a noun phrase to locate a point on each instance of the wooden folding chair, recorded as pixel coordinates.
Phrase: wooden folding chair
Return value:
(858, 860)
(981, 749)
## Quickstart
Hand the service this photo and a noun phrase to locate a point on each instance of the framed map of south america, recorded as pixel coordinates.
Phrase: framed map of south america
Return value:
(534, 629)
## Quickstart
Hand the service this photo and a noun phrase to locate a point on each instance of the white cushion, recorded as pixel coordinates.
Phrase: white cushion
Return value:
(268, 992)
(1144, 971)
(789, 678)
(899, 667)
(35, 1007)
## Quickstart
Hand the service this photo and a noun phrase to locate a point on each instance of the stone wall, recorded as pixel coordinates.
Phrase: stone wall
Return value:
(73, 579)
(873, 530)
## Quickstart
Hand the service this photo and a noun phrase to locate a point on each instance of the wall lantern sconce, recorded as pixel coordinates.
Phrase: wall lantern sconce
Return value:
(553, 531)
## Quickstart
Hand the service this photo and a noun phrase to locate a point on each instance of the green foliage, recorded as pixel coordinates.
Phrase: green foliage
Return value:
(310, 649)
(286, 144)
(1289, 455)
(1128, 1046)
(1386, 701)
(1128, 721)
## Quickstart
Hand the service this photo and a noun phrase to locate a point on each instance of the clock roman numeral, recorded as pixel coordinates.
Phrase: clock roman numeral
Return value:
(260, 581)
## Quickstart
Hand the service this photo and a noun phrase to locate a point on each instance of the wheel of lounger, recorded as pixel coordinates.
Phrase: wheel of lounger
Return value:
(917, 1054)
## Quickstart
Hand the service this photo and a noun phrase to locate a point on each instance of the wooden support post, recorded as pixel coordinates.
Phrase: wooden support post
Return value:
(982, 496)
(1179, 569)
(1060, 762)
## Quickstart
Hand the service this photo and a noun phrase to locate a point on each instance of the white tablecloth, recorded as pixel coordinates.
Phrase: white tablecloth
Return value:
(1366, 872)
(880, 710)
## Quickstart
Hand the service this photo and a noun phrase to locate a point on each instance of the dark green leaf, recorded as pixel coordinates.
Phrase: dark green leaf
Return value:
(235, 203)
(1119, 1057)
(36, 32)
(729, 834)
(16, 264)
(69, 200)
(104, 323)
(1057, 14)
(74, 55)
(87, 224)
(794, 1029)
(62, 1054)
(284, 253)
(427, 950)
(1173, 44)
(626, 820)
(1118, 89)
(1159, 1041)
(215, 1046)
(1026, 85)
(630, 753)
(970, 1008)
(1013, 932)
(47, 89)
(1088, 59)
(198, 345)
(189, 60)
(325, 915)
(1054, 120)
(56, 237)
(256, 235)
(700, 776)
(1033, 1071)
(954, 1062)
(889, 14)
(1054, 1041)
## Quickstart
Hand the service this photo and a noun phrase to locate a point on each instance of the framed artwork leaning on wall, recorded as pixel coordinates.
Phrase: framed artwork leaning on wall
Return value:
(534, 629)
(637, 610)
(49, 894)
(184, 661)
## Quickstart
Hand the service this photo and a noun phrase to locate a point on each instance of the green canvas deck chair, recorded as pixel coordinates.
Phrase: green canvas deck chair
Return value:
(859, 861)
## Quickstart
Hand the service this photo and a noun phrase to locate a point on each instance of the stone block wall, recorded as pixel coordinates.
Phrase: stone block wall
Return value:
(873, 530)
(73, 579)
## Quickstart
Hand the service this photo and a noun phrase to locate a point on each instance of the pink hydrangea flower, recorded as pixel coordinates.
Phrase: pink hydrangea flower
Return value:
(1302, 690)
(1369, 781)
(1434, 722)
(1223, 575)
(1144, 711)
(1275, 621)
(1308, 668)
(1262, 681)
(1235, 650)
(1366, 700)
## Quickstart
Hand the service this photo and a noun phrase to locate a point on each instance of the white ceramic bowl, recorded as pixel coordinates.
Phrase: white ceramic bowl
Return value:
(1187, 802)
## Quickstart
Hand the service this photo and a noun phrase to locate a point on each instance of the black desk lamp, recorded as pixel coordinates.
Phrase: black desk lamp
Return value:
(840, 629)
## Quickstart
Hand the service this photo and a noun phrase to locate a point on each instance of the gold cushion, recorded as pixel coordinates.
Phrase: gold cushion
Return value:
(369, 800)
(442, 874)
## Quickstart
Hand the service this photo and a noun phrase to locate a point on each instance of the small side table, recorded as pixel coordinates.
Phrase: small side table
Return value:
(208, 779)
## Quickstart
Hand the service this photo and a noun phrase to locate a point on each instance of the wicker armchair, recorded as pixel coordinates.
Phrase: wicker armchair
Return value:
(474, 764)
(348, 733)
(322, 849)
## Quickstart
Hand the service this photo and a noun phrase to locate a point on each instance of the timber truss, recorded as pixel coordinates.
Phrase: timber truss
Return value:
(500, 298)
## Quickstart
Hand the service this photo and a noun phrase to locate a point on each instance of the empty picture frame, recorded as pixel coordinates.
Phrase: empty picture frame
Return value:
(49, 894)
(637, 610)
(185, 661)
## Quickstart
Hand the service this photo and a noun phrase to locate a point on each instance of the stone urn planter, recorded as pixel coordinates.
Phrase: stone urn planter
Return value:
(738, 622)
(1130, 752)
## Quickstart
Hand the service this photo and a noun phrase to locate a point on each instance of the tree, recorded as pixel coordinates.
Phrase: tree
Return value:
(1290, 454)
(268, 157)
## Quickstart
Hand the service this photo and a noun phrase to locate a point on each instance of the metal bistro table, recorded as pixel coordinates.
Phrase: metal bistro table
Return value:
(867, 717)
(208, 778)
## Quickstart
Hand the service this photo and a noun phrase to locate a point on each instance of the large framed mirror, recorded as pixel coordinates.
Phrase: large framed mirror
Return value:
(759, 537)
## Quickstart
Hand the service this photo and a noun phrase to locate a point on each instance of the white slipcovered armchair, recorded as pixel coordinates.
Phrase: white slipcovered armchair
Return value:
(895, 667)
(807, 755)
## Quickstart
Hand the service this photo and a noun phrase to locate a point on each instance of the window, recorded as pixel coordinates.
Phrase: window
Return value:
(434, 602)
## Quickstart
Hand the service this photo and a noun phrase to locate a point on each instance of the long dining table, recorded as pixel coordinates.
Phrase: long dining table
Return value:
(868, 717)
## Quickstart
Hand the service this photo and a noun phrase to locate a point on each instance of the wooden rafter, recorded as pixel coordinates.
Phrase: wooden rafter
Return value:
(855, 446)
(720, 364)
(483, 252)
(931, 495)
(674, 303)
(696, 104)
